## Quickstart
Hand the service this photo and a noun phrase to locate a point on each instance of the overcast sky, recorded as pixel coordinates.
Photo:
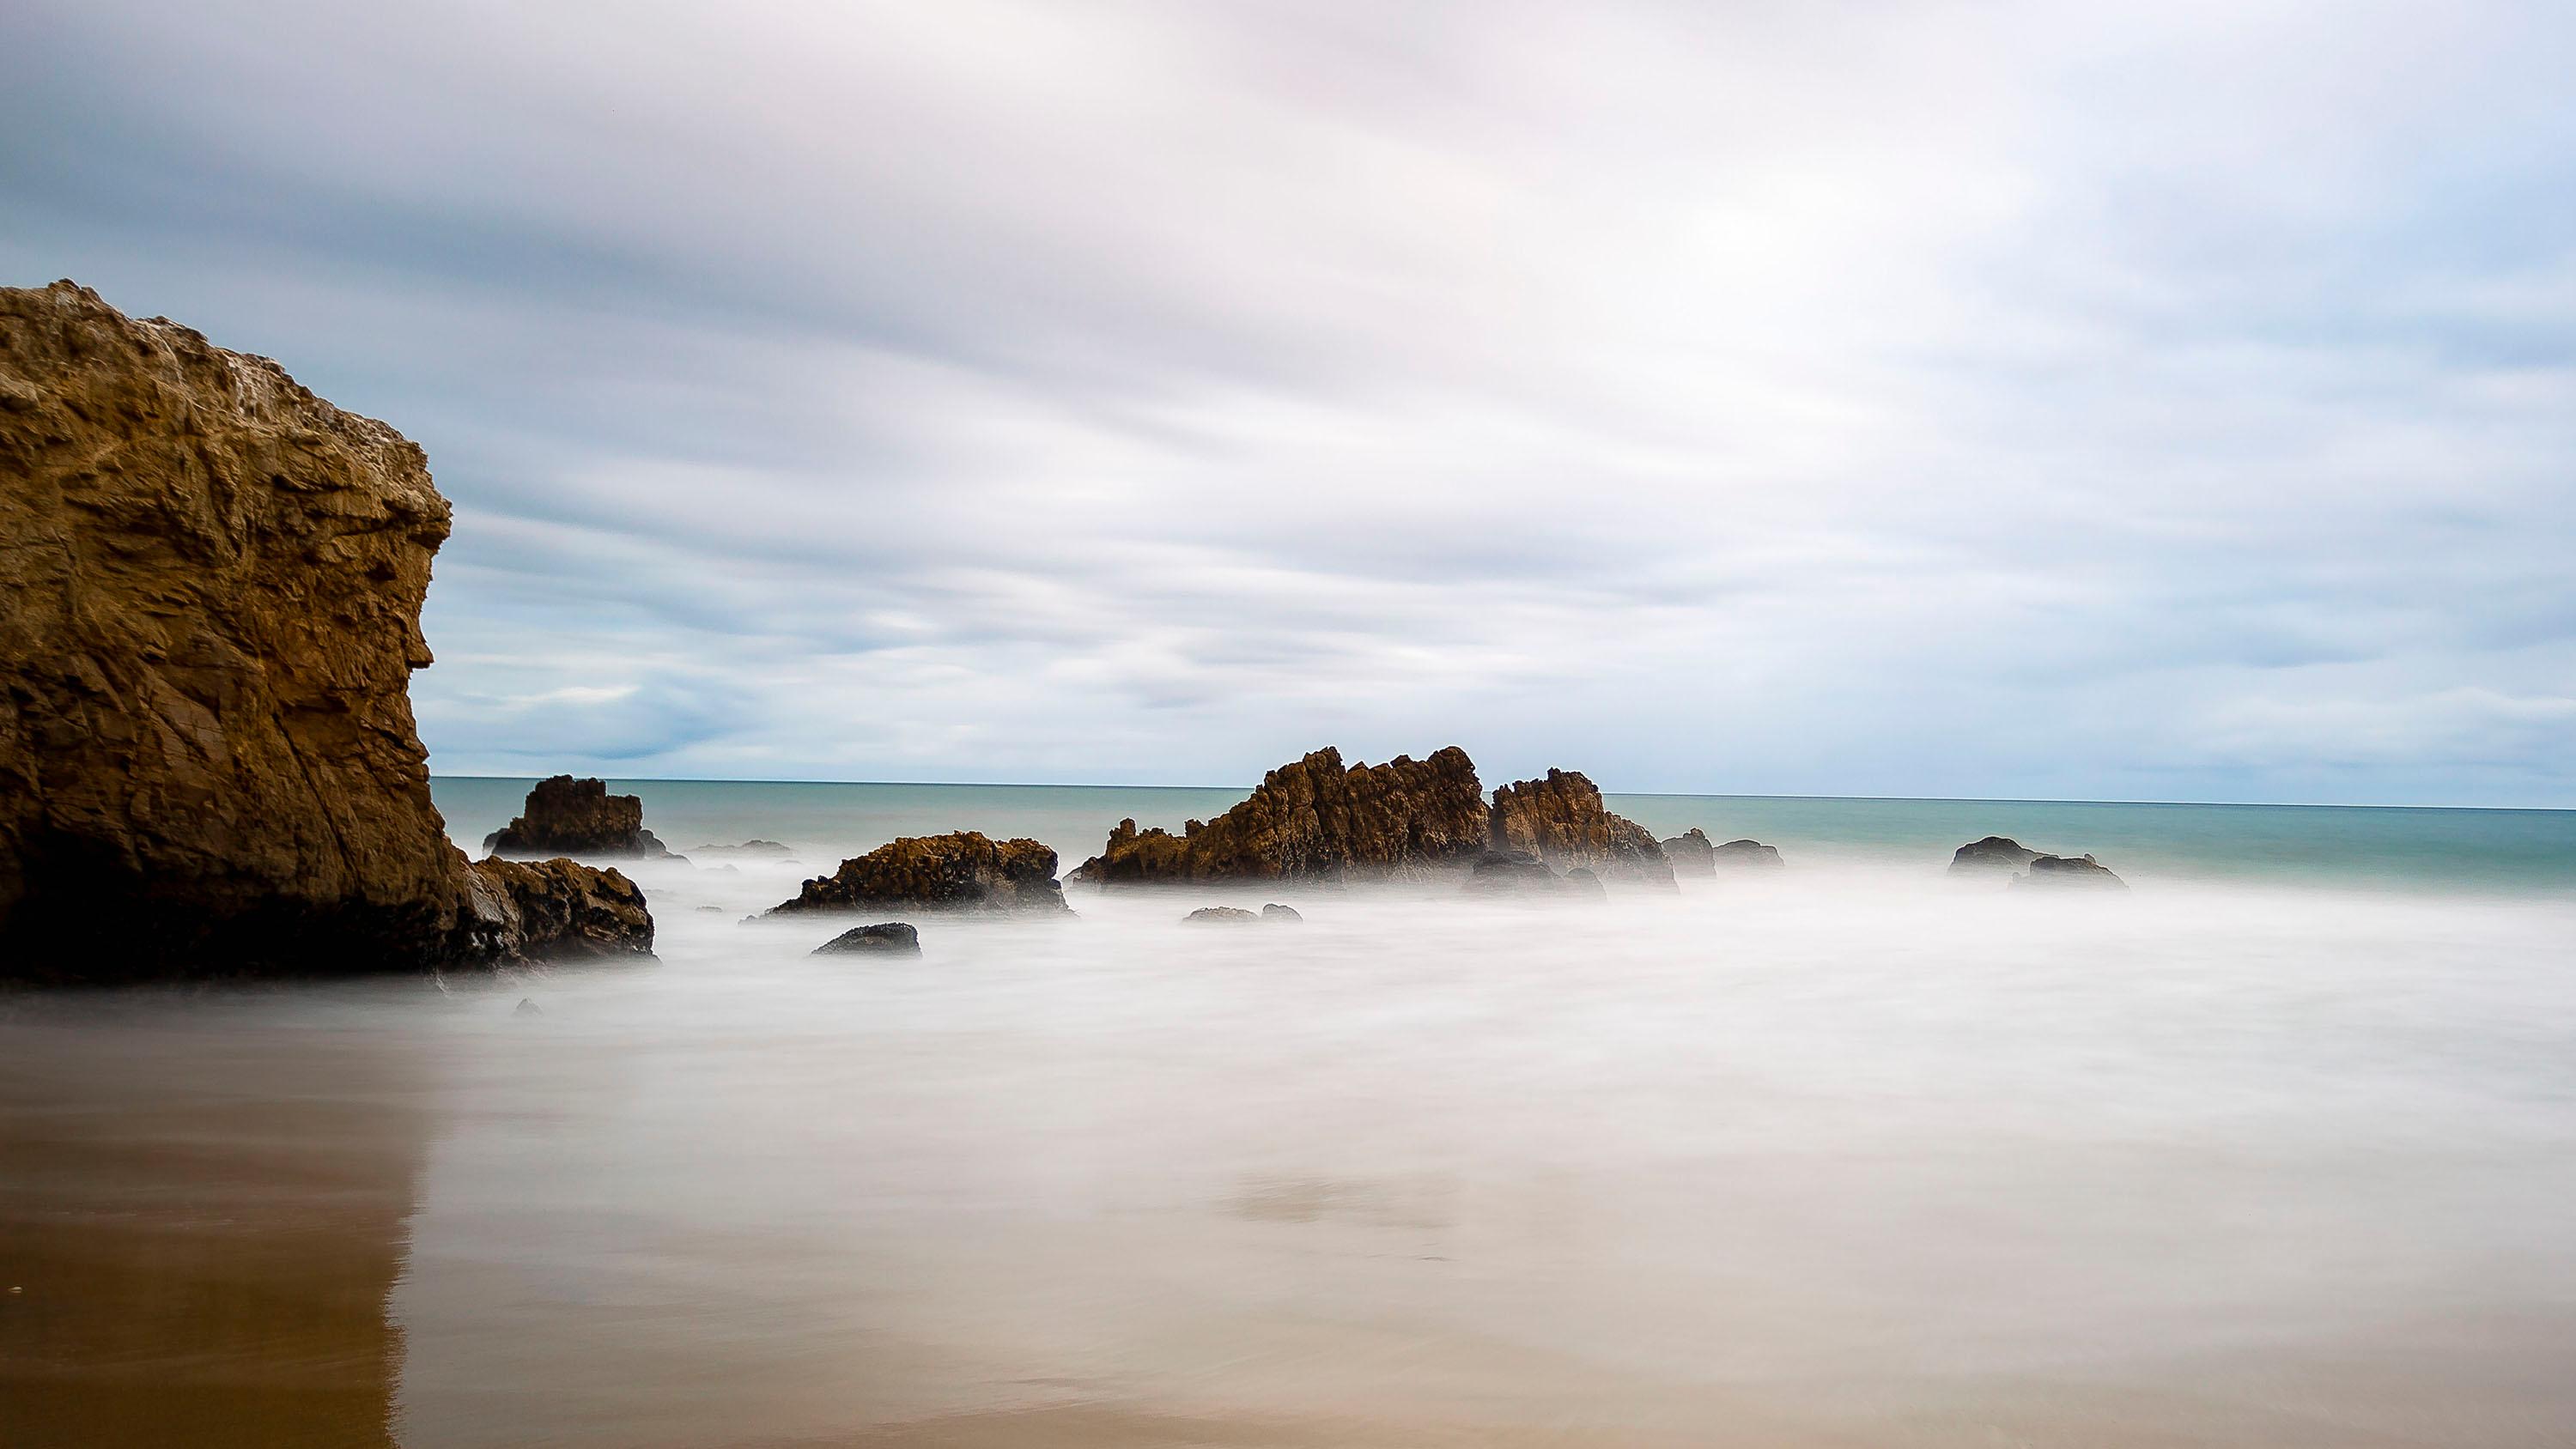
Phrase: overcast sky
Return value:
(1838, 398)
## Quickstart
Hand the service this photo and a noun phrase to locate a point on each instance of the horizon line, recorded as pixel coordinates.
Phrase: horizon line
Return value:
(1647, 794)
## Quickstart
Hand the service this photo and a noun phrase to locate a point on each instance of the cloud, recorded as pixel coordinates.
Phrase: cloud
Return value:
(1892, 399)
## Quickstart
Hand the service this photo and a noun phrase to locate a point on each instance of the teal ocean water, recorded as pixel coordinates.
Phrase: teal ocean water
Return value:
(2433, 849)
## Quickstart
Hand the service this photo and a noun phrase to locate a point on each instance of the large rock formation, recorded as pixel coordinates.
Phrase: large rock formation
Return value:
(565, 816)
(212, 583)
(961, 871)
(1560, 819)
(1995, 855)
(1316, 820)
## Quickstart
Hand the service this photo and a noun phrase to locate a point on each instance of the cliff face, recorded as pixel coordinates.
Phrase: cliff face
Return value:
(214, 581)
(1315, 820)
(963, 870)
(1561, 820)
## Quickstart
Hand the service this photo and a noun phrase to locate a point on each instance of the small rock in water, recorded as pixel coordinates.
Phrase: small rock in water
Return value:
(1219, 916)
(528, 1008)
(1997, 853)
(748, 847)
(1746, 854)
(711, 910)
(1283, 914)
(1581, 882)
(2078, 872)
(888, 938)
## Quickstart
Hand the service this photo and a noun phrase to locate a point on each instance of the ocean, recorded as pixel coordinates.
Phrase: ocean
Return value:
(2275, 1148)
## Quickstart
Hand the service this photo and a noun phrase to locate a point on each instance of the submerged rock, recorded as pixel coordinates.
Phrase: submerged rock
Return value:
(1690, 853)
(1746, 855)
(961, 871)
(212, 583)
(1520, 874)
(527, 1008)
(565, 816)
(1316, 820)
(1280, 915)
(1996, 854)
(2059, 872)
(748, 847)
(1220, 916)
(888, 938)
(1560, 820)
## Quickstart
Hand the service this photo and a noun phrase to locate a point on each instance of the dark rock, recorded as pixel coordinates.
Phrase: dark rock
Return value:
(711, 910)
(961, 871)
(1316, 820)
(748, 847)
(210, 593)
(1282, 915)
(555, 910)
(1690, 853)
(2059, 872)
(1581, 882)
(1560, 819)
(1746, 855)
(1995, 854)
(1510, 871)
(1220, 916)
(565, 816)
(528, 1008)
(890, 938)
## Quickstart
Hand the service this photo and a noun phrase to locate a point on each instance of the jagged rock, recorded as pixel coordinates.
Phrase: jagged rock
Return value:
(527, 1008)
(1220, 916)
(1746, 855)
(1690, 853)
(2060, 872)
(210, 591)
(1560, 819)
(890, 938)
(960, 871)
(1278, 914)
(554, 910)
(748, 847)
(1315, 820)
(1995, 854)
(565, 816)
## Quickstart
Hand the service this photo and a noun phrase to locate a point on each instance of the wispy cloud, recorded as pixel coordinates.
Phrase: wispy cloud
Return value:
(2157, 400)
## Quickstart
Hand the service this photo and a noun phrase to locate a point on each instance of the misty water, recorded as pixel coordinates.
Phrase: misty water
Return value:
(2279, 1147)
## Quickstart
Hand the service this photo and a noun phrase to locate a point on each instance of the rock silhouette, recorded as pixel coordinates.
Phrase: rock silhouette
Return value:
(1746, 855)
(565, 816)
(887, 938)
(960, 871)
(2060, 872)
(1998, 854)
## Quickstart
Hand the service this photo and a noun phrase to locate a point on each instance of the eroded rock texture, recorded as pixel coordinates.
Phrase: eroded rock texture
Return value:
(1560, 819)
(555, 910)
(1317, 820)
(565, 816)
(213, 582)
(961, 871)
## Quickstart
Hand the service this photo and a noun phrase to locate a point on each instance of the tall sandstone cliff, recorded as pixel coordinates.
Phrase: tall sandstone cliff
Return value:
(207, 757)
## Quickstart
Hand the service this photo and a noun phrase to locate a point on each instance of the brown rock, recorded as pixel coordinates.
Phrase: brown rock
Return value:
(212, 584)
(555, 910)
(565, 816)
(886, 938)
(1316, 820)
(962, 871)
(1561, 821)
(1221, 916)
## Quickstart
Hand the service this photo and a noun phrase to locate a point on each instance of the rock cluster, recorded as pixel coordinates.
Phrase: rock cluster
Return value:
(960, 871)
(1317, 820)
(576, 910)
(212, 583)
(1314, 819)
(1273, 914)
(565, 816)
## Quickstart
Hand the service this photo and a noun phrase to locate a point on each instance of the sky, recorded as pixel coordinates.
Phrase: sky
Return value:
(2171, 401)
